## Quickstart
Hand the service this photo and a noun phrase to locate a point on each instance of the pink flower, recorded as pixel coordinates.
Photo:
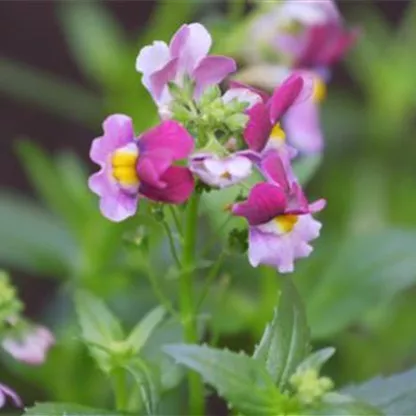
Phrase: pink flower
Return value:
(300, 121)
(32, 346)
(279, 217)
(132, 166)
(8, 392)
(221, 173)
(186, 55)
(311, 33)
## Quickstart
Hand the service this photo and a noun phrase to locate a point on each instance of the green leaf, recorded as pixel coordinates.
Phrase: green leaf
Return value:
(58, 96)
(358, 279)
(95, 39)
(285, 341)
(316, 360)
(306, 166)
(98, 326)
(242, 381)
(394, 395)
(339, 405)
(33, 239)
(144, 329)
(147, 378)
(67, 409)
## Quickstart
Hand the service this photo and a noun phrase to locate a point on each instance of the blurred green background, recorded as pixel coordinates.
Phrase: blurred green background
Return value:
(65, 65)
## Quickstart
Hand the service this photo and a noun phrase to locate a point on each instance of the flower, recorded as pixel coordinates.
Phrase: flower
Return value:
(307, 34)
(143, 166)
(8, 392)
(185, 56)
(300, 122)
(221, 173)
(32, 347)
(279, 217)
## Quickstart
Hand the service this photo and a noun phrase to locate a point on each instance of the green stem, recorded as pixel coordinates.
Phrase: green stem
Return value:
(172, 244)
(176, 220)
(269, 288)
(120, 389)
(196, 396)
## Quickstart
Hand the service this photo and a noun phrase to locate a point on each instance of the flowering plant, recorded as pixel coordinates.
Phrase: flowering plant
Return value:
(234, 136)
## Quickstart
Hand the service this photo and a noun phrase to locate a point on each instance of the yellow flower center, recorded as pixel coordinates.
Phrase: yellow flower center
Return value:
(319, 90)
(278, 134)
(124, 162)
(286, 222)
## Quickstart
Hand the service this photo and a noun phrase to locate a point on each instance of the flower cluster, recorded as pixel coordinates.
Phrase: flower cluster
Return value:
(217, 138)
(291, 36)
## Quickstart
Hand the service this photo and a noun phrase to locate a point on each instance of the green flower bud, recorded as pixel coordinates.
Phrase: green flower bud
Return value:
(210, 94)
(10, 305)
(236, 122)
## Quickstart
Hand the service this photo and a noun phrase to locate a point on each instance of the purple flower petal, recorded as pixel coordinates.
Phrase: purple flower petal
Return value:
(258, 127)
(7, 391)
(119, 206)
(179, 40)
(235, 84)
(159, 79)
(179, 186)
(264, 202)
(274, 170)
(212, 70)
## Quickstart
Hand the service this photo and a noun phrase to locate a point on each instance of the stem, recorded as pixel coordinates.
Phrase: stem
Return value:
(269, 288)
(196, 397)
(213, 273)
(176, 220)
(120, 389)
(172, 244)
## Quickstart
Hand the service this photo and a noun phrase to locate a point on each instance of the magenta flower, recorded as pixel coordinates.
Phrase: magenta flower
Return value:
(186, 55)
(312, 33)
(279, 217)
(221, 173)
(132, 166)
(8, 392)
(32, 346)
(300, 121)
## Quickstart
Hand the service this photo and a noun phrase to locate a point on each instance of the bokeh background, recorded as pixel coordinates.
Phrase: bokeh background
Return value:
(64, 65)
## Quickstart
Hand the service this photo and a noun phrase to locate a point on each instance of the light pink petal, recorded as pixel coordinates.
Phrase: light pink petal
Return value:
(159, 79)
(258, 128)
(7, 391)
(212, 70)
(118, 131)
(152, 58)
(242, 95)
(302, 126)
(169, 136)
(119, 206)
(264, 202)
(179, 40)
(237, 85)
(179, 186)
(195, 48)
(307, 228)
(317, 206)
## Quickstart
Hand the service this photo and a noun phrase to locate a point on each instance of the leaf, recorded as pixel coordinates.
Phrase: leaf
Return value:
(147, 379)
(242, 381)
(144, 329)
(67, 409)
(339, 405)
(96, 40)
(98, 325)
(285, 341)
(394, 395)
(367, 271)
(316, 360)
(58, 96)
(33, 240)
(306, 166)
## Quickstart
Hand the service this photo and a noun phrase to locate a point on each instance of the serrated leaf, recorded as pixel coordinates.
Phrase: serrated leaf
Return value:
(394, 395)
(98, 326)
(339, 405)
(33, 239)
(147, 379)
(242, 381)
(316, 360)
(67, 409)
(285, 341)
(358, 279)
(144, 329)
